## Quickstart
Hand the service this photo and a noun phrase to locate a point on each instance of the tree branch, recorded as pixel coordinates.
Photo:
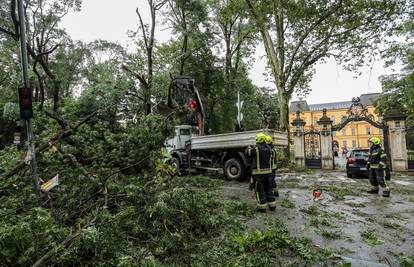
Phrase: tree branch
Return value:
(14, 18)
(140, 77)
(306, 34)
(144, 34)
(8, 32)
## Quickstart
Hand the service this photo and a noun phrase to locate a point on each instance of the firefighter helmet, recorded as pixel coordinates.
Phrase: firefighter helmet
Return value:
(260, 138)
(375, 141)
(269, 139)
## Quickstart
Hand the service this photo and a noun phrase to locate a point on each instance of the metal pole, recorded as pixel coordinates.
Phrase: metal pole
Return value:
(29, 126)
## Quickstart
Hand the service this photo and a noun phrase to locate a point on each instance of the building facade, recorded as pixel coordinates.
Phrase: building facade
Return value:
(353, 135)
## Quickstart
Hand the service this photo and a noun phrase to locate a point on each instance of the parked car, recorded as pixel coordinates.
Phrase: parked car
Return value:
(356, 164)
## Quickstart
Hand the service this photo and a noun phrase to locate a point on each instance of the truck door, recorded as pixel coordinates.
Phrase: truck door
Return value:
(184, 135)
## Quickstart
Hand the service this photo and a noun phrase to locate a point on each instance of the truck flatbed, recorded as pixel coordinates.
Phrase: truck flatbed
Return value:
(235, 140)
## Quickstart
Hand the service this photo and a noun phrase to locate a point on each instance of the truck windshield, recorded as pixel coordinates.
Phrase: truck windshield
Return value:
(184, 131)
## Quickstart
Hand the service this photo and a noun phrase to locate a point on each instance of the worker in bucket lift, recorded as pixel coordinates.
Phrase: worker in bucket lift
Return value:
(260, 156)
(273, 160)
(377, 166)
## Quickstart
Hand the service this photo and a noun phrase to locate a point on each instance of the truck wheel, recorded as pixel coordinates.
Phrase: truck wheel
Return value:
(175, 162)
(234, 169)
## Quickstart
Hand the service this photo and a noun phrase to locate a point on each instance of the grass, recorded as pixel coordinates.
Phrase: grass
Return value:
(286, 203)
(315, 211)
(360, 213)
(404, 190)
(262, 247)
(396, 216)
(391, 225)
(355, 205)
(236, 207)
(330, 235)
(317, 221)
(406, 261)
(339, 193)
(369, 237)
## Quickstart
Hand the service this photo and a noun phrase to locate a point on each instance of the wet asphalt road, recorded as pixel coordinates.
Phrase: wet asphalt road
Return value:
(367, 230)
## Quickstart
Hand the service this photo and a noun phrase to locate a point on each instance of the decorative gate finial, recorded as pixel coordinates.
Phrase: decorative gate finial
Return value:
(357, 109)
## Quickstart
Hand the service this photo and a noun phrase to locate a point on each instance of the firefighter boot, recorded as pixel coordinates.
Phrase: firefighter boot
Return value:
(386, 192)
(260, 210)
(374, 190)
(272, 206)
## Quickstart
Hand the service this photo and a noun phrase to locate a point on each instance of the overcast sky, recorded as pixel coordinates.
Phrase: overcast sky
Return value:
(111, 19)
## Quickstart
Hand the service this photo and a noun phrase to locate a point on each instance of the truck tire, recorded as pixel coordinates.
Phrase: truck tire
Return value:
(175, 162)
(234, 169)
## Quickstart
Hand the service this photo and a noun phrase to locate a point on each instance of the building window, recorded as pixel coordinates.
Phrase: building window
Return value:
(353, 131)
(344, 143)
(343, 119)
(354, 144)
(344, 132)
(368, 129)
(315, 121)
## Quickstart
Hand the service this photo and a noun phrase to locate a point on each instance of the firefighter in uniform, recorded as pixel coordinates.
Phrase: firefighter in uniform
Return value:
(377, 166)
(260, 155)
(273, 160)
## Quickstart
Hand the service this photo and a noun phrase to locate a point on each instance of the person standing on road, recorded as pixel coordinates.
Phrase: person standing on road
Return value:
(344, 152)
(273, 162)
(377, 168)
(260, 156)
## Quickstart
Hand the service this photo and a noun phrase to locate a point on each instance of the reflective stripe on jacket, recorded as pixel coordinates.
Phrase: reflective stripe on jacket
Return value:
(377, 158)
(260, 159)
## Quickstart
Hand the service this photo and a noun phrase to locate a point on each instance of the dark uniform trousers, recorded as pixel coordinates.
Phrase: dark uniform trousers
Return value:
(377, 177)
(264, 191)
(377, 163)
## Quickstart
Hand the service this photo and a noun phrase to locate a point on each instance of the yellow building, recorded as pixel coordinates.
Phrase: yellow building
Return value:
(354, 134)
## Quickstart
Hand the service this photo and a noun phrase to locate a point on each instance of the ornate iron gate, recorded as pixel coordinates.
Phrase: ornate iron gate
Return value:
(313, 150)
(358, 112)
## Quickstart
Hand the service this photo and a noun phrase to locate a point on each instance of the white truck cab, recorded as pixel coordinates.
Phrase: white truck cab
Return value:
(182, 137)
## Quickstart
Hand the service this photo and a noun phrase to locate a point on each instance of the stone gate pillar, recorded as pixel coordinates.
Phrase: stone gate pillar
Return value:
(325, 125)
(397, 142)
(299, 140)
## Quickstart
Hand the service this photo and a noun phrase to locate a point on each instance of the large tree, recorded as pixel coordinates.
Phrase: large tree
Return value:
(298, 34)
(44, 37)
(145, 54)
(186, 17)
(398, 88)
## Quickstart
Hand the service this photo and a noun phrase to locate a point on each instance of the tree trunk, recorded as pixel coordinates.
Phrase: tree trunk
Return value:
(56, 93)
(284, 115)
(284, 111)
(184, 48)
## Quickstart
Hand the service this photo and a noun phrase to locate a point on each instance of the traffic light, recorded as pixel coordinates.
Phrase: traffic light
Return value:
(25, 101)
